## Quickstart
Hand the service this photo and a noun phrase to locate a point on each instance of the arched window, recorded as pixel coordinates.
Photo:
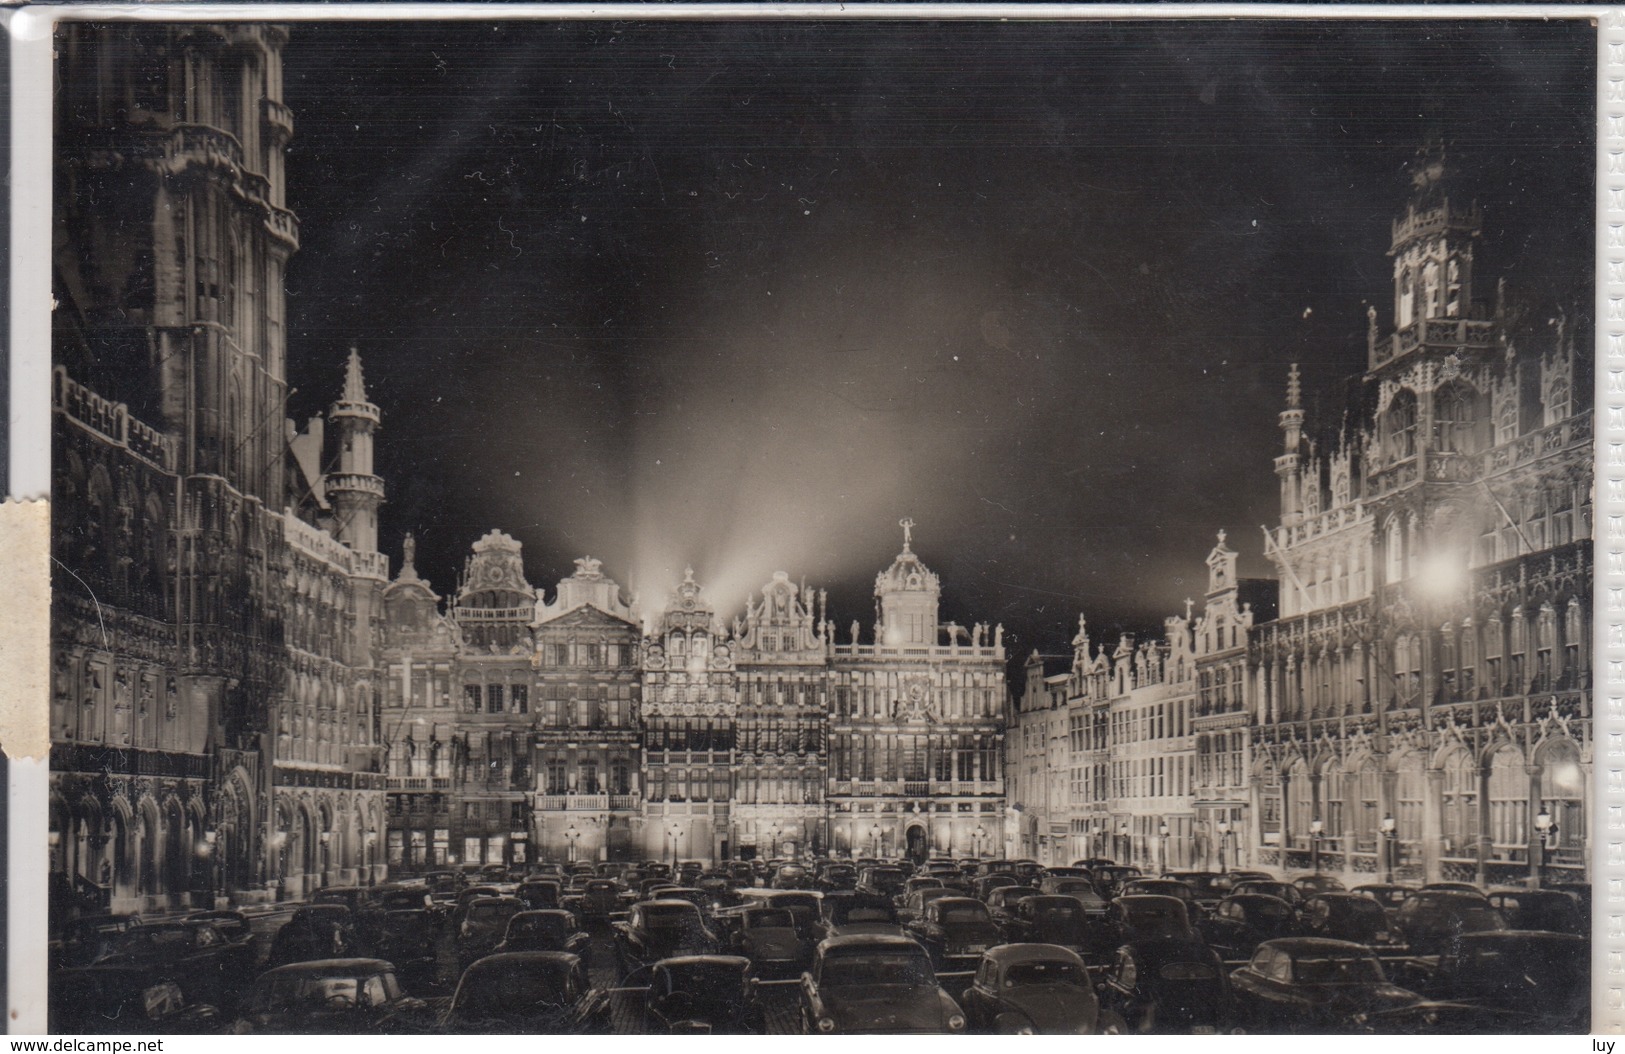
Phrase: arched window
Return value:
(1562, 791)
(1394, 552)
(1460, 805)
(1430, 282)
(1404, 310)
(1454, 418)
(1408, 796)
(1368, 791)
(1509, 802)
(1401, 425)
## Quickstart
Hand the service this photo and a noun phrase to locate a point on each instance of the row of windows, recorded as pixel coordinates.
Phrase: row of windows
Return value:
(1166, 720)
(919, 758)
(1151, 777)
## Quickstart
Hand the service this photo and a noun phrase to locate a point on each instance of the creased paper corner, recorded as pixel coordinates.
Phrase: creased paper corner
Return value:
(25, 628)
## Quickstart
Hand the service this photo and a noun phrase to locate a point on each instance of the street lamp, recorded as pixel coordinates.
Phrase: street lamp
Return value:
(773, 841)
(1125, 847)
(874, 838)
(1547, 831)
(980, 835)
(1162, 830)
(572, 836)
(1315, 828)
(1224, 837)
(676, 829)
(1390, 843)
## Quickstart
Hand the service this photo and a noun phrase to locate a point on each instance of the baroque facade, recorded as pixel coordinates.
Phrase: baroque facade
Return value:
(518, 729)
(217, 591)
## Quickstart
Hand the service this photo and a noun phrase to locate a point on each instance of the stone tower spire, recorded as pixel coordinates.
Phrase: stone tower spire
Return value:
(353, 489)
(1288, 465)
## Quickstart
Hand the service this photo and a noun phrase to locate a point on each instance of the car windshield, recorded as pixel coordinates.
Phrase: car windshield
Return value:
(1057, 914)
(841, 913)
(514, 988)
(769, 918)
(1554, 965)
(542, 927)
(1337, 969)
(491, 912)
(715, 979)
(297, 991)
(1074, 885)
(1041, 971)
(877, 968)
(670, 916)
(964, 913)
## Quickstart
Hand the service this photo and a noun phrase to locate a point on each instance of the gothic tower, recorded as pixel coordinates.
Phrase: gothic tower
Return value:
(907, 594)
(355, 491)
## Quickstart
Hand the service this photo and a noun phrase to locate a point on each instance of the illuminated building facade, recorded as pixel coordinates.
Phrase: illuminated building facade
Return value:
(212, 701)
(1423, 704)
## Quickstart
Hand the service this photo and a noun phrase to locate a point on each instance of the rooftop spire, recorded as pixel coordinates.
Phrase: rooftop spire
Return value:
(1294, 389)
(355, 390)
(907, 524)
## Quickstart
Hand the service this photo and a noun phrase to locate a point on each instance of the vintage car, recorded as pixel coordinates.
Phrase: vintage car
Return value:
(1541, 909)
(703, 993)
(541, 893)
(1314, 985)
(768, 937)
(1453, 887)
(485, 921)
(1389, 894)
(791, 876)
(1430, 919)
(1032, 989)
(1029, 871)
(956, 931)
(917, 882)
(208, 968)
(881, 880)
(1546, 977)
(316, 931)
(1062, 921)
(1142, 917)
(410, 941)
(875, 984)
(127, 1002)
(1345, 917)
(1227, 881)
(1243, 921)
(85, 939)
(1168, 985)
(662, 929)
(837, 876)
(1001, 904)
(913, 905)
(982, 886)
(1083, 890)
(1311, 884)
(538, 992)
(841, 914)
(1208, 886)
(466, 896)
(233, 925)
(352, 996)
(549, 930)
(1271, 888)
(1109, 877)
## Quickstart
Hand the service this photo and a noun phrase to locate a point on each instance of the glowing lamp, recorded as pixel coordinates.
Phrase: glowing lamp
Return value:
(1388, 825)
(1315, 827)
(1543, 820)
(1441, 574)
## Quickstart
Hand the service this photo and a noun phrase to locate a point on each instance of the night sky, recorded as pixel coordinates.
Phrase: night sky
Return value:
(745, 294)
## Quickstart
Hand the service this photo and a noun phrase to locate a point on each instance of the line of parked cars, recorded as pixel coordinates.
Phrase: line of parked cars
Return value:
(868, 946)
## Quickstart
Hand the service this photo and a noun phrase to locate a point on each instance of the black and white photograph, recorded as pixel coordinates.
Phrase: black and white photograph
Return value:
(823, 525)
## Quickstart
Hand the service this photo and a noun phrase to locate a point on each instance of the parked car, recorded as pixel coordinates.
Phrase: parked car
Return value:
(1145, 917)
(124, 1001)
(1544, 976)
(1033, 989)
(1541, 909)
(194, 954)
(881, 880)
(1314, 985)
(704, 993)
(1309, 885)
(1243, 921)
(1206, 885)
(1453, 887)
(1108, 877)
(837, 876)
(1346, 917)
(1083, 890)
(791, 876)
(662, 929)
(1390, 895)
(410, 941)
(532, 992)
(549, 930)
(956, 931)
(768, 937)
(1168, 985)
(875, 984)
(466, 896)
(85, 939)
(485, 920)
(843, 914)
(350, 996)
(1061, 921)
(1001, 904)
(316, 931)
(233, 925)
(538, 894)
(1431, 919)
(1227, 881)
(1271, 888)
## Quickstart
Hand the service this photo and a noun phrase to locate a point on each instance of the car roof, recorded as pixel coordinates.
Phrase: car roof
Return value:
(737, 961)
(499, 959)
(882, 941)
(1296, 946)
(1005, 954)
(332, 966)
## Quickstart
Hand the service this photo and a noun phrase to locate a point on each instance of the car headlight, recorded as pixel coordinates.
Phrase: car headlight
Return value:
(826, 1024)
(956, 1022)
(1025, 1030)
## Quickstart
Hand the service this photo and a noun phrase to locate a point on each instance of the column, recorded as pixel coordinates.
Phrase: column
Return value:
(1432, 817)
